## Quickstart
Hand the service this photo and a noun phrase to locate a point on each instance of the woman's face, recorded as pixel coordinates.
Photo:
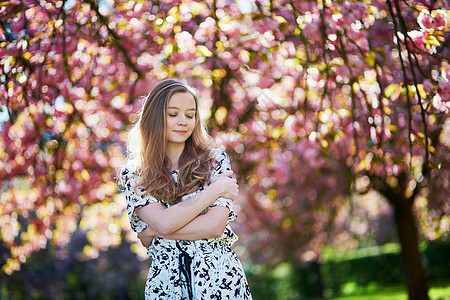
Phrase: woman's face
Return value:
(180, 117)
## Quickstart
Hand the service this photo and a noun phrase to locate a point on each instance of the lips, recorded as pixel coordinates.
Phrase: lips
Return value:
(180, 131)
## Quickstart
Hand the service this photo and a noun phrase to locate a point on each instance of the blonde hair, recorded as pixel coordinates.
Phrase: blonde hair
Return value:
(147, 143)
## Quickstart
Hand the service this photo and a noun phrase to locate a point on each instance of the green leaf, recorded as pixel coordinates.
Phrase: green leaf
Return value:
(370, 58)
(422, 92)
(168, 49)
(390, 89)
(204, 51)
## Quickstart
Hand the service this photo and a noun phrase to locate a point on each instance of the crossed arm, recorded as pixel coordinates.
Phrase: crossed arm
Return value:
(183, 220)
(209, 225)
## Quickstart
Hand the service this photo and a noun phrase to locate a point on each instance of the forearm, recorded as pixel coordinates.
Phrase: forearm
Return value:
(166, 221)
(209, 225)
(197, 229)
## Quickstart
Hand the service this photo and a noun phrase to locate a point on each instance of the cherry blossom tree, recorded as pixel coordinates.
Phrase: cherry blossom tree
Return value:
(315, 100)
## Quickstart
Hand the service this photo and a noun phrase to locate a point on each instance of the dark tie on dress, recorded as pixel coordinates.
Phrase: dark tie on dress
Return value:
(184, 262)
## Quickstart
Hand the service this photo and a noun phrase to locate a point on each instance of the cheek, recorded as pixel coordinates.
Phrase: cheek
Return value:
(170, 123)
(192, 123)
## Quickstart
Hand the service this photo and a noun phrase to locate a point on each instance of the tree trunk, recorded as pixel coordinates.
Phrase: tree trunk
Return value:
(411, 257)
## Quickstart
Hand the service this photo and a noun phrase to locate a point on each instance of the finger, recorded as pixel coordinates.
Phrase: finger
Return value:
(227, 173)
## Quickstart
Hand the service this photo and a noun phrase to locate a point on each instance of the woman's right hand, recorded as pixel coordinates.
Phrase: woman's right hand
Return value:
(226, 186)
(146, 237)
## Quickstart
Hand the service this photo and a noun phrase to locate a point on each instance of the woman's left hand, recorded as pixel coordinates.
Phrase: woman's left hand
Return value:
(146, 237)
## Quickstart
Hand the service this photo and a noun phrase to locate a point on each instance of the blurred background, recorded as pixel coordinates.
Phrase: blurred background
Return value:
(334, 114)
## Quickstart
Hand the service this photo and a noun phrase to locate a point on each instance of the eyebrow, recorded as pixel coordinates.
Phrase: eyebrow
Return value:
(174, 107)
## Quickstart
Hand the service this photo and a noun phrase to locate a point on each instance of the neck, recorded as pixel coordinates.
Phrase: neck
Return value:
(173, 153)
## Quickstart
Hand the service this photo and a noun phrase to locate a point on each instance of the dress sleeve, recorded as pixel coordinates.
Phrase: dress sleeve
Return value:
(135, 199)
(223, 165)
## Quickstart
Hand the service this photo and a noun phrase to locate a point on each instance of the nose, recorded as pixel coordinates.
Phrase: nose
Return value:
(182, 121)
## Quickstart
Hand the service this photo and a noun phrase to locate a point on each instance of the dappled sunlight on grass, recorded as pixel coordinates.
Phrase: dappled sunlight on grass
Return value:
(439, 292)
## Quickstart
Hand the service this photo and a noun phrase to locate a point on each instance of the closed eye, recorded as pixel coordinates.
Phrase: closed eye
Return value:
(174, 115)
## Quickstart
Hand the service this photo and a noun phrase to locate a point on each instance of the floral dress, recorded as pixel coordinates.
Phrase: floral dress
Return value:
(201, 269)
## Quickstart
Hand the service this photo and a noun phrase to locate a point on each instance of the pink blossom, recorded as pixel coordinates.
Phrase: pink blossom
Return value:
(446, 73)
(441, 19)
(355, 34)
(342, 71)
(418, 40)
(357, 64)
(17, 25)
(231, 30)
(427, 85)
(268, 24)
(425, 20)
(444, 90)
(206, 30)
(351, 11)
(265, 82)
(439, 103)
(312, 31)
(437, 20)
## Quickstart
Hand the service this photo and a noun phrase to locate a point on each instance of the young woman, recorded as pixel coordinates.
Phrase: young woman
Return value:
(179, 195)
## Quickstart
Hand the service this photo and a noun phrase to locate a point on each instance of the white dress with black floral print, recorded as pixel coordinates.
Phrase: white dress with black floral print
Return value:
(202, 269)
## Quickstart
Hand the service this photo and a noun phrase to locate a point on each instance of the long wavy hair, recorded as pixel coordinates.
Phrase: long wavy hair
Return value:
(147, 144)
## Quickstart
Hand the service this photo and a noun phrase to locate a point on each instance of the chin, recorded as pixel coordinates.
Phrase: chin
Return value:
(178, 141)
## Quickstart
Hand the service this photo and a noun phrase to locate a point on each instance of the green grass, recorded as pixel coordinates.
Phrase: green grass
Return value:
(438, 292)
(331, 254)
